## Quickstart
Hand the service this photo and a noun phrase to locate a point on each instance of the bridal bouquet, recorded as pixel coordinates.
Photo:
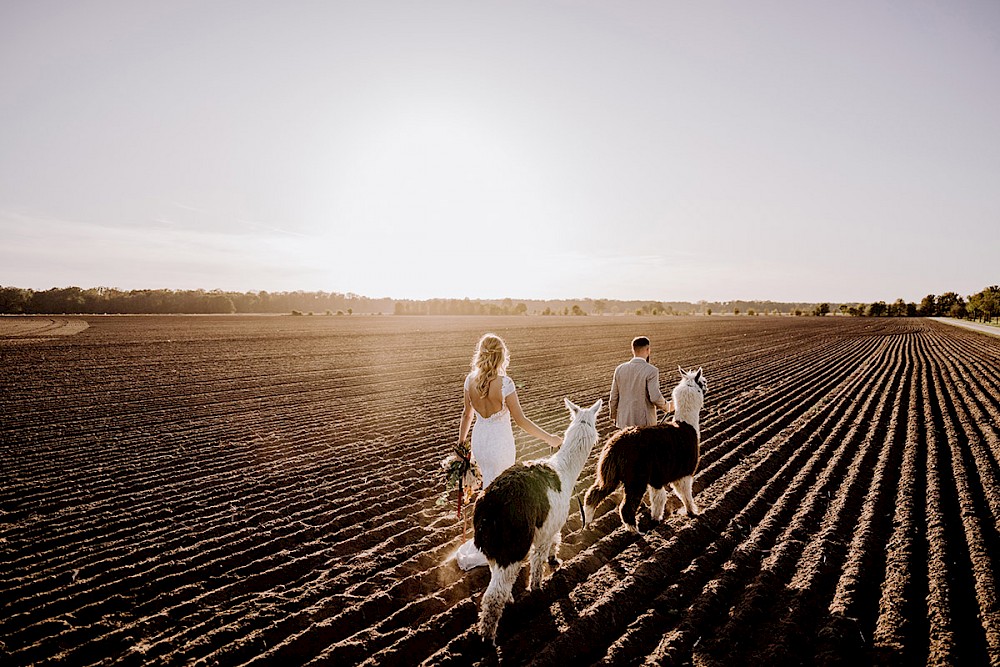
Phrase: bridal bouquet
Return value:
(461, 472)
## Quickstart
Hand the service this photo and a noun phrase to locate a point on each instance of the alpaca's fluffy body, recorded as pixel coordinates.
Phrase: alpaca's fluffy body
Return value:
(525, 506)
(515, 506)
(653, 457)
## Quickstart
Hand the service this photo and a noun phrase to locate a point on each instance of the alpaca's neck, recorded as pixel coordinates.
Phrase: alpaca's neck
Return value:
(686, 409)
(571, 458)
(689, 417)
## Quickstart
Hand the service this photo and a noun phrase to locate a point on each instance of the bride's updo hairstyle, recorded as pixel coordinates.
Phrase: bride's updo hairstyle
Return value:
(489, 361)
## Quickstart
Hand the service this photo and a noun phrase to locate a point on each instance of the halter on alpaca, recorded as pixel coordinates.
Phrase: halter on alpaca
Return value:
(653, 457)
(525, 506)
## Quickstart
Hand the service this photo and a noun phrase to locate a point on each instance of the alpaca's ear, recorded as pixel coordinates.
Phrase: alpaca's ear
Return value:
(698, 376)
(596, 407)
(682, 372)
(573, 409)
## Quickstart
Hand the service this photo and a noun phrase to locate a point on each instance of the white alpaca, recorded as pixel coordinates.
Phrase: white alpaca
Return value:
(525, 506)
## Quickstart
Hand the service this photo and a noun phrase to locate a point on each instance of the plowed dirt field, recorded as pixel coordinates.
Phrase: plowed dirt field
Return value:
(264, 490)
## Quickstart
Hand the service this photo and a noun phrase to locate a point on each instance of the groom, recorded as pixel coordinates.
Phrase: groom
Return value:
(635, 389)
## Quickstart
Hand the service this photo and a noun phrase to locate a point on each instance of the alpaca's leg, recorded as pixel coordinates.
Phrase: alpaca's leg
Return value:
(657, 503)
(496, 596)
(539, 554)
(682, 488)
(554, 561)
(630, 505)
(595, 494)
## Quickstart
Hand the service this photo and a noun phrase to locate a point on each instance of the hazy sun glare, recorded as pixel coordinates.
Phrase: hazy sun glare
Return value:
(436, 199)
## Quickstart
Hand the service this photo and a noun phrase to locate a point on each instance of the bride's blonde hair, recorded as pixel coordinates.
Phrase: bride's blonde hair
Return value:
(489, 361)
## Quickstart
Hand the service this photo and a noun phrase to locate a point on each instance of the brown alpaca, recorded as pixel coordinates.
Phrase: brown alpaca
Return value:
(653, 456)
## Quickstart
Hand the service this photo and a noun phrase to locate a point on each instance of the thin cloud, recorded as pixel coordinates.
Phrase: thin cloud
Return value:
(42, 252)
(271, 228)
(186, 207)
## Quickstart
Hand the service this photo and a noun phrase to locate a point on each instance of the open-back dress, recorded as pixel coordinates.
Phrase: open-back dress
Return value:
(493, 450)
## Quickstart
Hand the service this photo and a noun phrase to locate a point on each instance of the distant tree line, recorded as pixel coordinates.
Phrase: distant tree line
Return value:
(459, 307)
(589, 307)
(16, 300)
(96, 300)
(984, 305)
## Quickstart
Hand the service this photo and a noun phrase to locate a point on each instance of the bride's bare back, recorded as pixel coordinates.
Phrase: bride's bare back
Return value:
(492, 403)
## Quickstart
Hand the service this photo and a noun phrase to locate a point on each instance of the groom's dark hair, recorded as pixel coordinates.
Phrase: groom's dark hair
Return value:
(639, 342)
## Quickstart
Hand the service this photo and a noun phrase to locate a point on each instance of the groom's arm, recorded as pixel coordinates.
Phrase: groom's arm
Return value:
(653, 391)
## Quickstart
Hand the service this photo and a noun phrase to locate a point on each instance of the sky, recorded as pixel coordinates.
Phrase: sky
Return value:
(673, 151)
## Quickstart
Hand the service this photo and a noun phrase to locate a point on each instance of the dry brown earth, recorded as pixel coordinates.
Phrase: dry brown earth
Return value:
(263, 490)
(15, 329)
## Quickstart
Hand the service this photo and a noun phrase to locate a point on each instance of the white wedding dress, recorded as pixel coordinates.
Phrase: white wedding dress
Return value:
(493, 450)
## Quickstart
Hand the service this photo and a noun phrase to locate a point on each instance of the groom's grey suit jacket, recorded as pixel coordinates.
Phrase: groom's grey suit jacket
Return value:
(635, 390)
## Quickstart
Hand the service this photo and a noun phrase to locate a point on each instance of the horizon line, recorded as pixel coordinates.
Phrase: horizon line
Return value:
(463, 298)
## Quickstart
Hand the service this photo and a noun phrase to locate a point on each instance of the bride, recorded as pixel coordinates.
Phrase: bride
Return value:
(492, 397)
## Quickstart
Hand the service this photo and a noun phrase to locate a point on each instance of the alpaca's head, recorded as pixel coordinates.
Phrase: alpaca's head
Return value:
(689, 394)
(693, 379)
(582, 431)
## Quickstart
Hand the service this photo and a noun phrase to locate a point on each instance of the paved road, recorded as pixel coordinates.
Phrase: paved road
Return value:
(976, 326)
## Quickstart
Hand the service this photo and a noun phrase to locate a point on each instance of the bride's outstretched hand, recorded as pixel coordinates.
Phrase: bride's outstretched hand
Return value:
(555, 441)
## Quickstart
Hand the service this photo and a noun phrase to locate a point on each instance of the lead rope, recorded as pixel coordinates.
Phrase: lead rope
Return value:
(664, 417)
